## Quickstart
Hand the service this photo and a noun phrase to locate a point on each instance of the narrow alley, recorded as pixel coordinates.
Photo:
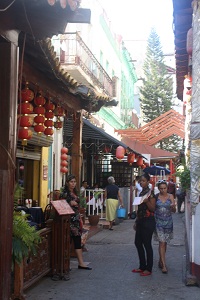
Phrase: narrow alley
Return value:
(112, 255)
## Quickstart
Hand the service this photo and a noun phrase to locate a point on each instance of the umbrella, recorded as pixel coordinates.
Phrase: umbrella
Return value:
(156, 170)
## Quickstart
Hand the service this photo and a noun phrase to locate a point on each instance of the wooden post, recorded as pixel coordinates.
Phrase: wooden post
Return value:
(8, 117)
(77, 149)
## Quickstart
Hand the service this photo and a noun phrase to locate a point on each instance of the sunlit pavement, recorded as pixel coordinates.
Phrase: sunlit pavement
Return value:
(112, 255)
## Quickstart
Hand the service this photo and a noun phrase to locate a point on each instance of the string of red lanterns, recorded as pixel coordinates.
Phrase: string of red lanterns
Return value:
(63, 161)
(24, 109)
(40, 111)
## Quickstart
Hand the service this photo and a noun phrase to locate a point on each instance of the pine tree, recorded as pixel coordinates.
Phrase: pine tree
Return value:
(157, 91)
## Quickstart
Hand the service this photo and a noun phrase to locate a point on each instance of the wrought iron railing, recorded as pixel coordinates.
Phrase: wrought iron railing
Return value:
(72, 51)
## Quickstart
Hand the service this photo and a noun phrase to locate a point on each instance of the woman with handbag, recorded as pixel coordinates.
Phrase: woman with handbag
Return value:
(165, 205)
(70, 194)
(144, 227)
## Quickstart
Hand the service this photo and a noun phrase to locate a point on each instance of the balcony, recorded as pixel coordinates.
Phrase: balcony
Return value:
(76, 57)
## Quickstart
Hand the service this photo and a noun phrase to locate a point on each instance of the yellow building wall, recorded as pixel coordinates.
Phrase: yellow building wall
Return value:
(43, 182)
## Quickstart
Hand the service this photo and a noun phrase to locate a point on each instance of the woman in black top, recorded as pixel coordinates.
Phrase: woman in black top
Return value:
(112, 195)
(145, 226)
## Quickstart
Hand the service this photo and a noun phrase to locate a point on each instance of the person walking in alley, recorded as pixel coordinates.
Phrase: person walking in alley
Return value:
(171, 187)
(145, 226)
(112, 195)
(165, 205)
(70, 194)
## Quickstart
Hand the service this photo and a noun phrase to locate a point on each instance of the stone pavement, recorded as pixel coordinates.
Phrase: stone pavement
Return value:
(112, 255)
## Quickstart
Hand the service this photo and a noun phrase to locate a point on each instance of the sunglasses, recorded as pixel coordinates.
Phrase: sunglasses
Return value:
(160, 181)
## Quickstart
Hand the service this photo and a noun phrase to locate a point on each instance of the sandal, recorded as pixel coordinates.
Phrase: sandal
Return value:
(137, 271)
(164, 270)
(145, 273)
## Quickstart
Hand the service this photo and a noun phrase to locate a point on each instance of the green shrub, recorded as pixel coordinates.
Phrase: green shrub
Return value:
(25, 238)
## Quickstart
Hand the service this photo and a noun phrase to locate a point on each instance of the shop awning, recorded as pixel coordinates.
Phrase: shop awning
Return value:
(93, 135)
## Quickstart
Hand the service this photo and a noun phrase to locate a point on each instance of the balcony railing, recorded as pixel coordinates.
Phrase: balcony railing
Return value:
(72, 51)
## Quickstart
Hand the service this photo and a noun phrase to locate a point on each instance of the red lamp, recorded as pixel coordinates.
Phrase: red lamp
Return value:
(40, 111)
(64, 150)
(49, 106)
(63, 170)
(131, 158)
(140, 161)
(120, 151)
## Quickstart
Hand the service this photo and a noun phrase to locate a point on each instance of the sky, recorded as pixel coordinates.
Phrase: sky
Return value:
(133, 19)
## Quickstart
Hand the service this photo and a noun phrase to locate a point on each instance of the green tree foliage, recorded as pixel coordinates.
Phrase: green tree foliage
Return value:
(157, 91)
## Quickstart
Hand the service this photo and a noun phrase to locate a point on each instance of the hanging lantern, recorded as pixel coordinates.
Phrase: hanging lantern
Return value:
(64, 163)
(58, 112)
(58, 124)
(64, 150)
(120, 151)
(49, 106)
(25, 108)
(24, 120)
(26, 94)
(131, 158)
(64, 156)
(40, 111)
(63, 170)
(140, 161)
(24, 134)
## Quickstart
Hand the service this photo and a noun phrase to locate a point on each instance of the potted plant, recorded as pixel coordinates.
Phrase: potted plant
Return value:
(25, 238)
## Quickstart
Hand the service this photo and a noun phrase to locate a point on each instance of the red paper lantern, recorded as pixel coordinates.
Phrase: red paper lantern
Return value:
(39, 100)
(140, 161)
(49, 115)
(49, 106)
(26, 94)
(58, 124)
(64, 156)
(63, 170)
(64, 150)
(48, 131)
(24, 134)
(64, 163)
(40, 110)
(131, 158)
(39, 119)
(59, 111)
(39, 128)
(120, 151)
(25, 108)
(48, 123)
(25, 121)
